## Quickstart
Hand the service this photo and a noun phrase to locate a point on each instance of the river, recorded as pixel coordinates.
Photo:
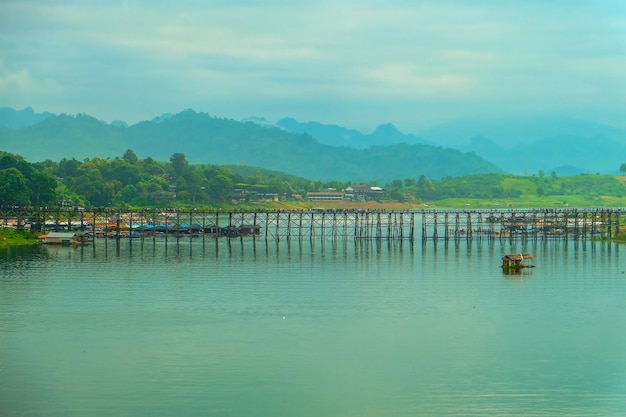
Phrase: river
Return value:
(246, 327)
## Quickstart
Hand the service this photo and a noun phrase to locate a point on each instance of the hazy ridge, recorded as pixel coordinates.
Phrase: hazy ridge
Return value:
(312, 149)
(210, 140)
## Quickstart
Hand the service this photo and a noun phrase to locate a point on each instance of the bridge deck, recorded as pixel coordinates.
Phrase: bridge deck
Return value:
(323, 224)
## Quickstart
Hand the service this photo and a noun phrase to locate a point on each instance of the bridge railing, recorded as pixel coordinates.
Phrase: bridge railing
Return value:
(322, 224)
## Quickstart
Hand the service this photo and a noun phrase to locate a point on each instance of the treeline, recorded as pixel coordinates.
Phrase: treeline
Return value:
(505, 186)
(22, 183)
(129, 181)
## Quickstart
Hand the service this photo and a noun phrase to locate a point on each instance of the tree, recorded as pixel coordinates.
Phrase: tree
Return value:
(122, 171)
(91, 185)
(622, 168)
(179, 163)
(129, 193)
(152, 167)
(424, 187)
(130, 157)
(68, 168)
(43, 188)
(13, 188)
(8, 160)
(196, 183)
(219, 187)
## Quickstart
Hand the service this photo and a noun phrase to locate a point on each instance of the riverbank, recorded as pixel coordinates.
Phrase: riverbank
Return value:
(552, 202)
(10, 237)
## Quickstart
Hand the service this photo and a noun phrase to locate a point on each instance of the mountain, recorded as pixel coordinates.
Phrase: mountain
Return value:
(509, 132)
(526, 145)
(314, 150)
(16, 119)
(564, 154)
(209, 140)
(597, 154)
(261, 121)
(61, 136)
(521, 145)
(335, 135)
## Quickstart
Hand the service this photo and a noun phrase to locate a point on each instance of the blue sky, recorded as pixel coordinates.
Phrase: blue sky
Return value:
(354, 63)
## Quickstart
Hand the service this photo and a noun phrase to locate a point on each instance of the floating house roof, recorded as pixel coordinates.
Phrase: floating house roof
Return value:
(517, 257)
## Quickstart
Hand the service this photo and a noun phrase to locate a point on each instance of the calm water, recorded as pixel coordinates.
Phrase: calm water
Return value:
(312, 329)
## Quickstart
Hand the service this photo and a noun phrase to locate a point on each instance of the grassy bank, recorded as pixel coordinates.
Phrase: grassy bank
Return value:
(10, 237)
(522, 202)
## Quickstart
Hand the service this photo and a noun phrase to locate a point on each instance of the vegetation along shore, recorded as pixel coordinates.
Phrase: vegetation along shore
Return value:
(130, 182)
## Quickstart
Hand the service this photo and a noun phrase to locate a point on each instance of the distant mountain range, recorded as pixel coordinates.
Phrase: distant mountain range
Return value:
(16, 119)
(335, 135)
(519, 146)
(567, 146)
(209, 140)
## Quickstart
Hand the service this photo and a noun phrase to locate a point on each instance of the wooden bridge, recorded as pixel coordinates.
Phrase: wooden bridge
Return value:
(512, 224)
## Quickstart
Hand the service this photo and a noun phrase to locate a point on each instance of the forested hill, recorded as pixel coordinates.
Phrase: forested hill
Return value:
(209, 140)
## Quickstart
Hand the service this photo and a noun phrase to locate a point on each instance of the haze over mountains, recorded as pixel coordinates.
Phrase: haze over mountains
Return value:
(520, 146)
(318, 151)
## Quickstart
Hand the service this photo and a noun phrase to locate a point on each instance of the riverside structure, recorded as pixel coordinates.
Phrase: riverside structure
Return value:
(324, 224)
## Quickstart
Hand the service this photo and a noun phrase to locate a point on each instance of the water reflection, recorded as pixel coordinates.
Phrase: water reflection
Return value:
(312, 327)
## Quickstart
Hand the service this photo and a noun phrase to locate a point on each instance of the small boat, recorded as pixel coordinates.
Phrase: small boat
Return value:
(516, 261)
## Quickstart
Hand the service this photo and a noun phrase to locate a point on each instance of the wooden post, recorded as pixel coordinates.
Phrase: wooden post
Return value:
(130, 228)
(117, 225)
(254, 226)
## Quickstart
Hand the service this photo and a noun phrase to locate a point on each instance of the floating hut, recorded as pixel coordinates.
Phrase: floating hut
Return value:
(64, 238)
(516, 261)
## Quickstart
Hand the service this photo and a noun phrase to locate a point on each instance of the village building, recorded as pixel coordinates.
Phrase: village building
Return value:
(325, 195)
(364, 192)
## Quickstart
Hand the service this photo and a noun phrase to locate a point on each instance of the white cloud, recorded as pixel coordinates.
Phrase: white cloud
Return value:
(19, 87)
(258, 57)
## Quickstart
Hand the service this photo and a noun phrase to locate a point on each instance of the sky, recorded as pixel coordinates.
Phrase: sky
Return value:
(413, 63)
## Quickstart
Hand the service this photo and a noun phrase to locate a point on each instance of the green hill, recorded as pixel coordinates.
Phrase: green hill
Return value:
(204, 139)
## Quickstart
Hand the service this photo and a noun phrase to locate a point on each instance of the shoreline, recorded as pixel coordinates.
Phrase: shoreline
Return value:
(11, 238)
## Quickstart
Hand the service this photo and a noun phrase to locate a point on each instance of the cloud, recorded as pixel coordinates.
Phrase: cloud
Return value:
(20, 88)
(367, 62)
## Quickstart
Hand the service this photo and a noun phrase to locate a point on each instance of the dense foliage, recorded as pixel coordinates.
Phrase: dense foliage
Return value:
(506, 186)
(131, 181)
(21, 183)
